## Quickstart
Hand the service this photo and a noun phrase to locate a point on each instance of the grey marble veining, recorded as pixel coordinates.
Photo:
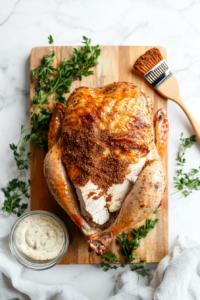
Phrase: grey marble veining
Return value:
(25, 24)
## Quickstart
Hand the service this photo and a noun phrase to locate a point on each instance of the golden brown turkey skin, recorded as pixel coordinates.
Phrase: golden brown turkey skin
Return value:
(56, 125)
(104, 131)
(162, 130)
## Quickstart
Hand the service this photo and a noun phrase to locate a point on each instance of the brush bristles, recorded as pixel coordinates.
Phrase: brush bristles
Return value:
(147, 61)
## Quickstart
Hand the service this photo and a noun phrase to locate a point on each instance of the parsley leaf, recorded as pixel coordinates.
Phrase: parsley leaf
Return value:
(110, 256)
(50, 39)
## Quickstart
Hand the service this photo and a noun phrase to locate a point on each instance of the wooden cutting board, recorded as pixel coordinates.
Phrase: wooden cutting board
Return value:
(115, 64)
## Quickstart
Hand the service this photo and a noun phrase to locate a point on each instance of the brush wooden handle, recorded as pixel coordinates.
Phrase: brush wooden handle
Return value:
(170, 90)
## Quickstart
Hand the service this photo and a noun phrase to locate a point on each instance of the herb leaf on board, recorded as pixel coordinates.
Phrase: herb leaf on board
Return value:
(110, 256)
(128, 247)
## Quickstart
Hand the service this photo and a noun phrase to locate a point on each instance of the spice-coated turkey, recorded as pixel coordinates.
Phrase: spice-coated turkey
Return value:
(103, 167)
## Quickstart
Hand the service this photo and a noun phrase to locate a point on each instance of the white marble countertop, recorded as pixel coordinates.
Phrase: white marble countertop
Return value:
(25, 24)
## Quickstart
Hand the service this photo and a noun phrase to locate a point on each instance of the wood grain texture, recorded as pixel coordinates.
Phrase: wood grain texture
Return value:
(115, 64)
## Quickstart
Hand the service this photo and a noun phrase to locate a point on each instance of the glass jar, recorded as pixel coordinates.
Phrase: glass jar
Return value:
(28, 262)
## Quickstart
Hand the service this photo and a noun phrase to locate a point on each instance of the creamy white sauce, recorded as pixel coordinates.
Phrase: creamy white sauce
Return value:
(40, 237)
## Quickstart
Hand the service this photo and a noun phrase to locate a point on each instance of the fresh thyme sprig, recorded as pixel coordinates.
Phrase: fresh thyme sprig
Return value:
(128, 247)
(186, 182)
(13, 193)
(19, 150)
(49, 82)
(185, 144)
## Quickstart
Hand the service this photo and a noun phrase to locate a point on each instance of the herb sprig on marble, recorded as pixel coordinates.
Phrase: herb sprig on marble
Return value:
(127, 249)
(13, 192)
(186, 182)
(51, 82)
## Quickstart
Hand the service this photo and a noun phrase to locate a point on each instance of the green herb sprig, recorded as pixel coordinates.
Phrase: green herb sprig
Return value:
(186, 182)
(106, 267)
(49, 82)
(54, 82)
(139, 269)
(50, 39)
(128, 247)
(15, 189)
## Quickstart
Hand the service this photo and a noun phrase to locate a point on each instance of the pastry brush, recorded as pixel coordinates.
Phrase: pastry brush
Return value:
(158, 74)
